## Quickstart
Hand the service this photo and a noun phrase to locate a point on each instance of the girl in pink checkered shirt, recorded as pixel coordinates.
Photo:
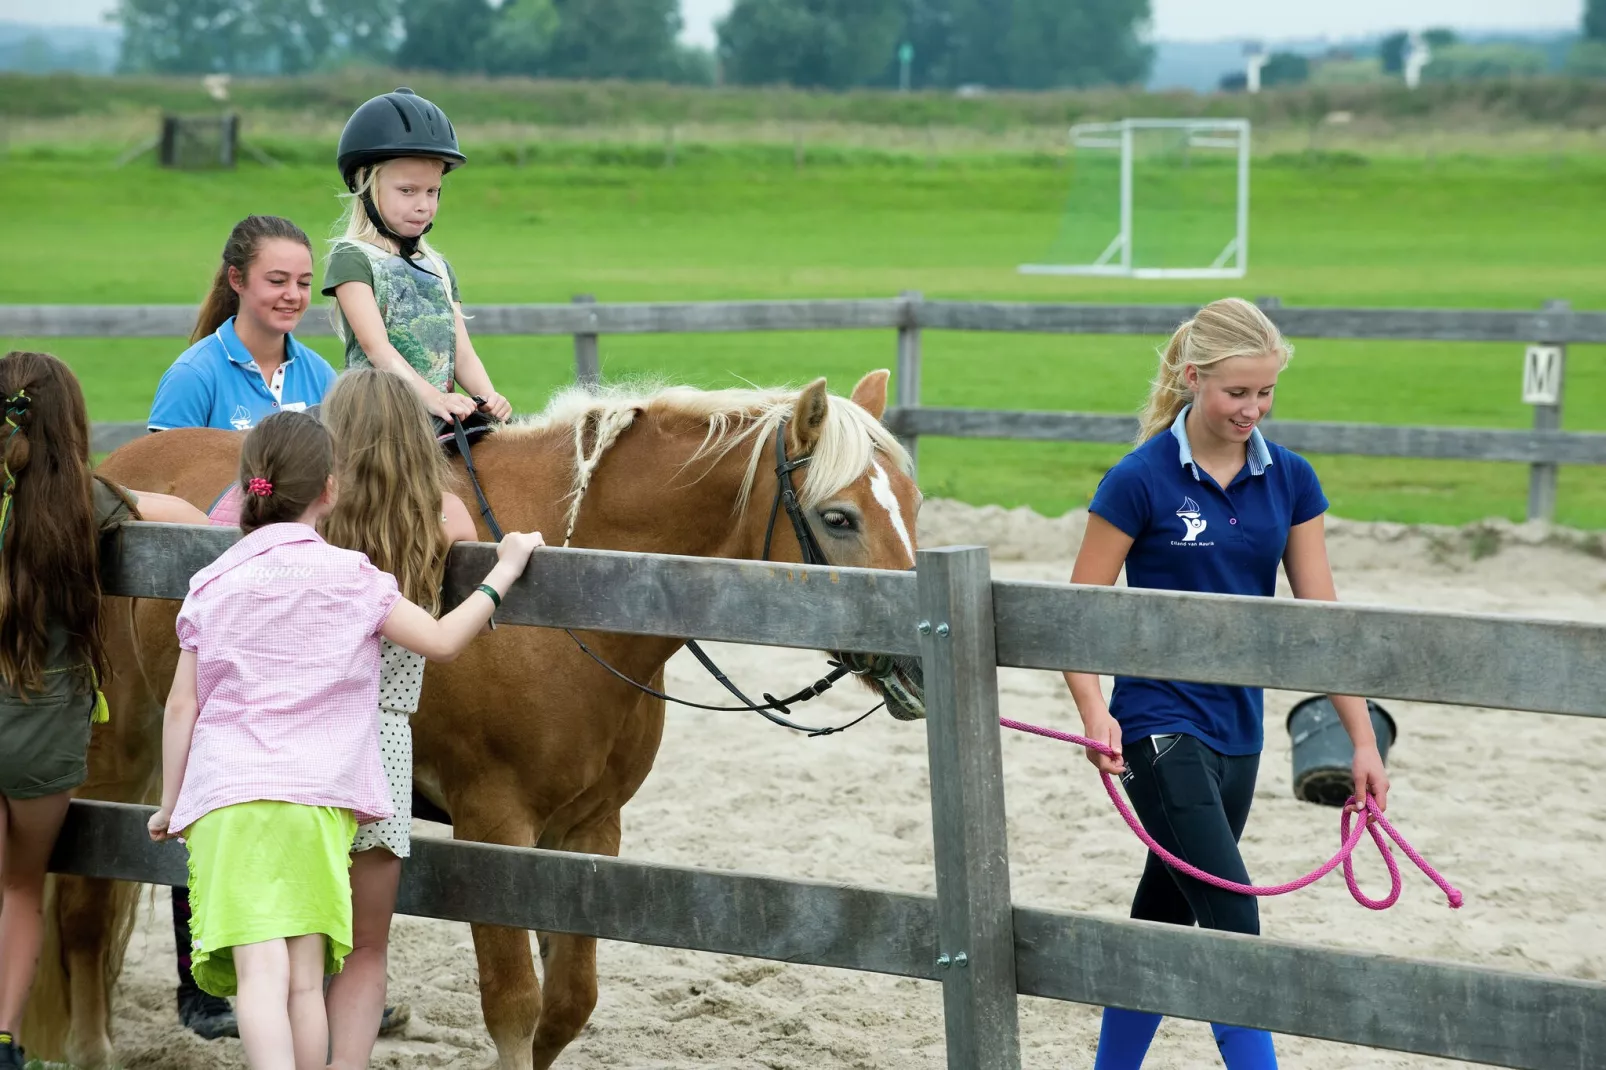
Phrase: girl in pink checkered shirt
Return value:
(270, 748)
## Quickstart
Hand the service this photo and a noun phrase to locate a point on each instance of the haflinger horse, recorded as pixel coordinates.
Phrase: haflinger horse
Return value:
(524, 740)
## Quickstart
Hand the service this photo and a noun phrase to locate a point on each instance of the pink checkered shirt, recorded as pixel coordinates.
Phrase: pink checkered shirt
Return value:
(285, 629)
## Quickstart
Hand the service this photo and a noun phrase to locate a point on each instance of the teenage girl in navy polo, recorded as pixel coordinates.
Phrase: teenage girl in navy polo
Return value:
(243, 365)
(1204, 503)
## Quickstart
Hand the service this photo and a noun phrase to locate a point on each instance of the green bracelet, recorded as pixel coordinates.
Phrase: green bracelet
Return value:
(496, 599)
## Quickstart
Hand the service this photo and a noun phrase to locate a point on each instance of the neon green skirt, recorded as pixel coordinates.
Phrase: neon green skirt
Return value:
(264, 871)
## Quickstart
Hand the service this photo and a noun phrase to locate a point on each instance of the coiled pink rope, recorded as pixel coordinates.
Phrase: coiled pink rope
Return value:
(1371, 821)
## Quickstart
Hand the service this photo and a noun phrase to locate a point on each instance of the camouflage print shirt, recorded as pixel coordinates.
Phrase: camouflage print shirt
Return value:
(415, 303)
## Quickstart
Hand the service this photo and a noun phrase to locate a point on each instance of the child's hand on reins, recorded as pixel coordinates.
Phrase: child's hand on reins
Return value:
(446, 405)
(495, 405)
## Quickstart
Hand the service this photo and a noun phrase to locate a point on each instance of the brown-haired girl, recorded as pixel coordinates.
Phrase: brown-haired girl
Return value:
(267, 775)
(395, 508)
(243, 364)
(53, 513)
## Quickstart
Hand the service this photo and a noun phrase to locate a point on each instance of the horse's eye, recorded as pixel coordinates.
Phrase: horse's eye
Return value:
(838, 520)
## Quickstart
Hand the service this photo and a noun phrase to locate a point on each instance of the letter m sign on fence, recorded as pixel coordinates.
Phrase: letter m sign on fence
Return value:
(1541, 375)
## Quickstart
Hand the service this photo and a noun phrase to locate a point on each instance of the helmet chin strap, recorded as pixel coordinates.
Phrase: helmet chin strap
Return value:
(408, 247)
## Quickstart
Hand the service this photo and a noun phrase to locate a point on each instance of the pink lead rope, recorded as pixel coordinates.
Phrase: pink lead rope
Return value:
(1370, 822)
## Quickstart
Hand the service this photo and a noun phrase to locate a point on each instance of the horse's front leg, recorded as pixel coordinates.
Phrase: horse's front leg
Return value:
(570, 962)
(510, 994)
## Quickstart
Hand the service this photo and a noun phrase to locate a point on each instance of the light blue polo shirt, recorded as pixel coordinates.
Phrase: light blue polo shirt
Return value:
(215, 383)
(1191, 534)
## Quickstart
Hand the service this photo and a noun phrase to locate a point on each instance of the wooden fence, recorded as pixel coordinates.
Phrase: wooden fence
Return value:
(1543, 448)
(970, 936)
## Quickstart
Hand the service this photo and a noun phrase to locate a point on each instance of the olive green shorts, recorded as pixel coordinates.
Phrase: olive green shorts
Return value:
(44, 744)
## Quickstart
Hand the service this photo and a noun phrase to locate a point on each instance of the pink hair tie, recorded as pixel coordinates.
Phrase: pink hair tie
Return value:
(260, 487)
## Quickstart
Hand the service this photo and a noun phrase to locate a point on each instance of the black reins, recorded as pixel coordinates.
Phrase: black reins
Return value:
(772, 709)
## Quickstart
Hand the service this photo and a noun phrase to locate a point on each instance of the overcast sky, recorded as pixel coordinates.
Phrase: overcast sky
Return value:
(1174, 20)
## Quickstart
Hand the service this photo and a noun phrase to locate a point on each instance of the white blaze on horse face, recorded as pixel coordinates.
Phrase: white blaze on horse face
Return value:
(881, 487)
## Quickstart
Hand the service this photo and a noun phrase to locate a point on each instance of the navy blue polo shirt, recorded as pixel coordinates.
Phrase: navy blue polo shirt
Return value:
(216, 383)
(1191, 534)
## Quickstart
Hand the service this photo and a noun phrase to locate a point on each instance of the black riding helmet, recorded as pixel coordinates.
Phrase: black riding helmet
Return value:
(393, 125)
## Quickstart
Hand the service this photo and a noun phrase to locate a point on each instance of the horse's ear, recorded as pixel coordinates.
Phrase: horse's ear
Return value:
(871, 393)
(808, 419)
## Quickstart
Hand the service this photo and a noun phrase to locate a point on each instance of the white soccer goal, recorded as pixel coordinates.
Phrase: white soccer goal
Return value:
(1168, 189)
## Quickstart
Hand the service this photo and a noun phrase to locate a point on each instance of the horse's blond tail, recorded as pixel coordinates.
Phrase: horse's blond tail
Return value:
(47, 1024)
(46, 1028)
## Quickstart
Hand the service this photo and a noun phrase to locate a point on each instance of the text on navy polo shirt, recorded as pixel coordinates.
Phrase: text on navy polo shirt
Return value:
(1190, 534)
(216, 383)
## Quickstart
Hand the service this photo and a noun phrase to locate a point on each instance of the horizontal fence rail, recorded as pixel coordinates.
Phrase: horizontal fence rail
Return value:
(1494, 661)
(1302, 436)
(1396, 324)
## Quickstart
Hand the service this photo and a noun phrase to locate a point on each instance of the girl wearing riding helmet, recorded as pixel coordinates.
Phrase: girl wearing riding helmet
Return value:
(1204, 503)
(395, 508)
(397, 302)
(54, 515)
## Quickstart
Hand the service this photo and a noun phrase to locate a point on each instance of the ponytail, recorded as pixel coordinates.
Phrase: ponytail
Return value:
(1230, 327)
(1168, 393)
(239, 253)
(285, 463)
(221, 303)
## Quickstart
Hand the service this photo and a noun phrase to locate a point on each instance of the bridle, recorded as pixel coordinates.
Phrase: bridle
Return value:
(772, 709)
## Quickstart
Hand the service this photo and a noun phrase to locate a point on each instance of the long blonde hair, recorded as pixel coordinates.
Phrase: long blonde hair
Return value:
(391, 478)
(1230, 327)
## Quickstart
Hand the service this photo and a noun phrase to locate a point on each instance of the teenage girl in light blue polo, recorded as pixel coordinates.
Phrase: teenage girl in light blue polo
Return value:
(243, 364)
(1204, 503)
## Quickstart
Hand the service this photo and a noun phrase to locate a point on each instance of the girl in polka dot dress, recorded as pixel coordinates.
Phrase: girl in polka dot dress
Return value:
(395, 508)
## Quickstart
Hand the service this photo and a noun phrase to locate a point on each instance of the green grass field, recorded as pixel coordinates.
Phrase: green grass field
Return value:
(1504, 232)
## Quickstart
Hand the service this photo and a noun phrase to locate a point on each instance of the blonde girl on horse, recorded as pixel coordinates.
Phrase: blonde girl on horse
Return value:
(1204, 503)
(53, 516)
(270, 748)
(395, 508)
(397, 301)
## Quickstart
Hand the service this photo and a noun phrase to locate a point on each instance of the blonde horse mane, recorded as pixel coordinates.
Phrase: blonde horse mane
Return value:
(849, 438)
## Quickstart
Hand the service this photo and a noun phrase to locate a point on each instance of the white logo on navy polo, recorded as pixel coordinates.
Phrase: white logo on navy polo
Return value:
(1191, 519)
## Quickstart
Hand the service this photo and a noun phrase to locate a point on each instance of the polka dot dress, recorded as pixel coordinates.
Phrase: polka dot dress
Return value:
(401, 678)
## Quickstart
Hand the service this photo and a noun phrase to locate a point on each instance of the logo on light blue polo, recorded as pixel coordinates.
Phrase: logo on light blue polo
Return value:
(1192, 521)
(241, 418)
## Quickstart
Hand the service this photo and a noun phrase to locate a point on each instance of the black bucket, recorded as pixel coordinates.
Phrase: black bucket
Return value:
(1322, 752)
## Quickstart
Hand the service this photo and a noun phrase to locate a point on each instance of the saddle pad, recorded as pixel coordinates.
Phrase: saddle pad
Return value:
(225, 512)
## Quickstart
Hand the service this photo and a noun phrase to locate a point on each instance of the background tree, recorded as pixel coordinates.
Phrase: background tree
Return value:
(615, 39)
(1595, 20)
(1391, 51)
(815, 43)
(1285, 68)
(928, 25)
(253, 36)
(1054, 43)
(520, 38)
(444, 35)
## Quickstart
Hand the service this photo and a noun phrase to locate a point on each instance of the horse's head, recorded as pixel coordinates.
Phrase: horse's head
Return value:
(855, 500)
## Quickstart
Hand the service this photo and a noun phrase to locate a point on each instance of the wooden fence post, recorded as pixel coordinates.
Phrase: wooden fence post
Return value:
(975, 919)
(587, 360)
(908, 394)
(1542, 477)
